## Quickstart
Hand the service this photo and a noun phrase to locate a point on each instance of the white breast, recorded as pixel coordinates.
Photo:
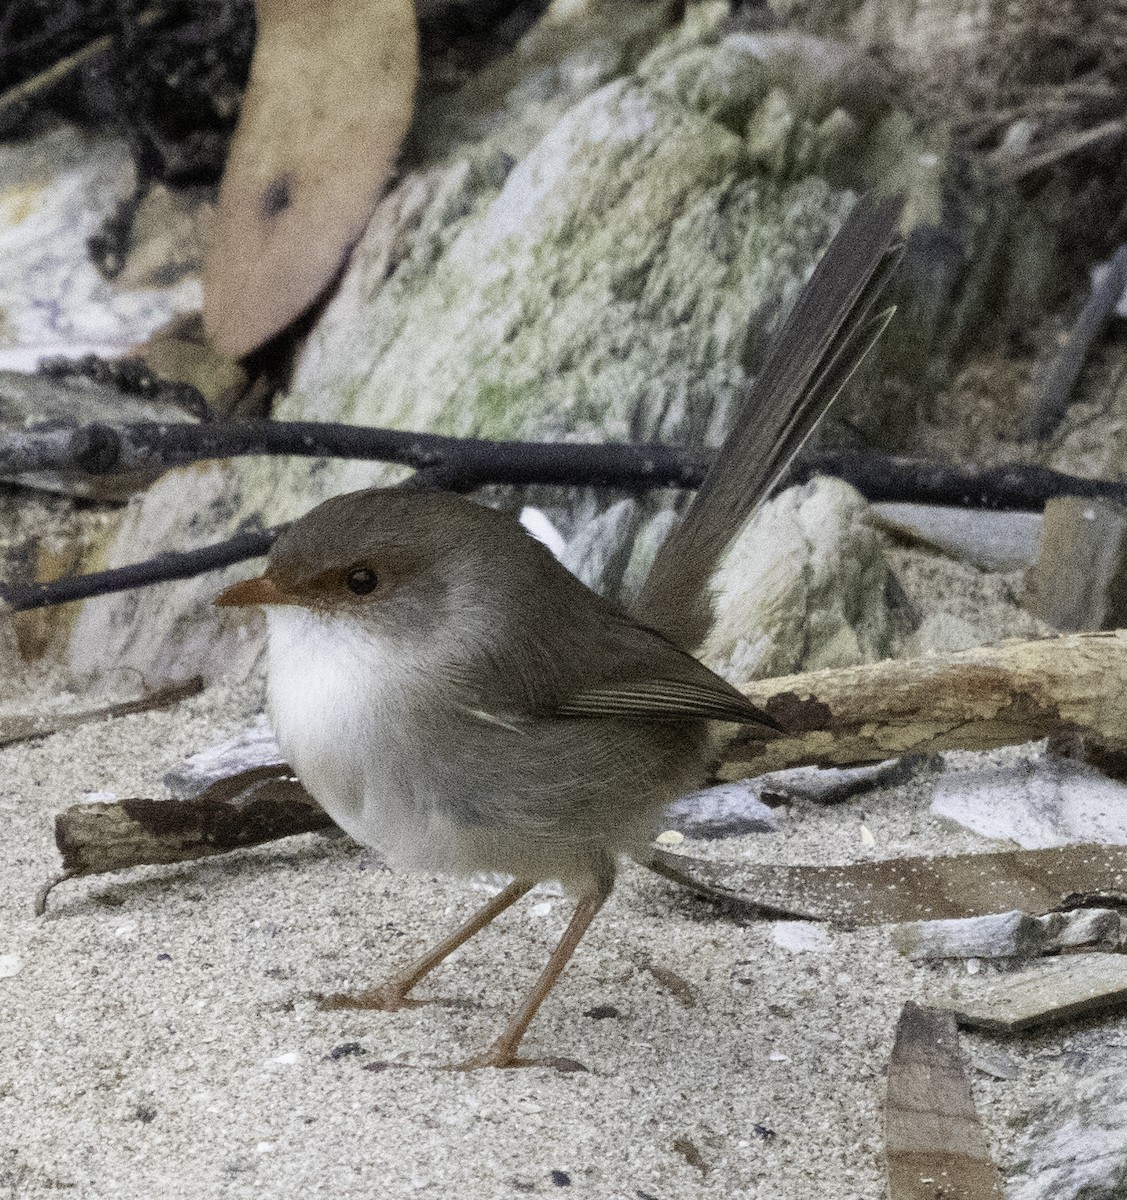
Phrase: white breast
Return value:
(335, 693)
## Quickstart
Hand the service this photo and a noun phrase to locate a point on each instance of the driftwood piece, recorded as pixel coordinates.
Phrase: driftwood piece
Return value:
(975, 700)
(935, 1144)
(1049, 993)
(256, 806)
(924, 889)
(1079, 579)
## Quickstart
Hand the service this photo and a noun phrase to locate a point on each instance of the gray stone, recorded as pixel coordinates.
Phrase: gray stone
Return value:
(1034, 800)
(993, 541)
(1001, 935)
(943, 633)
(252, 747)
(804, 587)
(1095, 927)
(58, 187)
(727, 810)
(1074, 1147)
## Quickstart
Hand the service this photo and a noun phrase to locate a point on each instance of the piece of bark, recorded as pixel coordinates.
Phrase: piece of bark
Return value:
(936, 1146)
(1048, 993)
(252, 807)
(23, 729)
(1001, 935)
(330, 98)
(976, 699)
(923, 889)
(1079, 580)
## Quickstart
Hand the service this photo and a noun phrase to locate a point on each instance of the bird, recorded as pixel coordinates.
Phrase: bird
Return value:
(453, 696)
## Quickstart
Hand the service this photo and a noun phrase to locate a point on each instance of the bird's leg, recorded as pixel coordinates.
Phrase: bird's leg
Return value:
(392, 994)
(503, 1052)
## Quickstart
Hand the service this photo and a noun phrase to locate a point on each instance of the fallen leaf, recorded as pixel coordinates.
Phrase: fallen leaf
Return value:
(924, 889)
(329, 100)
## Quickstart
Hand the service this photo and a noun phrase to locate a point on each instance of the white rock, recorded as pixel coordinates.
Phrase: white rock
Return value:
(727, 810)
(803, 587)
(1074, 1147)
(800, 937)
(10, 964)
(1098, 927)
(252, 747)
(999, 935)
(1036, 801)
(55, 189)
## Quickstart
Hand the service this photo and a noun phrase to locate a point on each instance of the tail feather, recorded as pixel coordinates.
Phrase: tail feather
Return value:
(828, 332)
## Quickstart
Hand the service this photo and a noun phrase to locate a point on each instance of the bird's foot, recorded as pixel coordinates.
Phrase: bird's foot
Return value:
(388, 997)
(505, 1057)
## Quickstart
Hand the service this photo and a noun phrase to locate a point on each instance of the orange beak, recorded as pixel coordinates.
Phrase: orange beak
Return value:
(261, 590)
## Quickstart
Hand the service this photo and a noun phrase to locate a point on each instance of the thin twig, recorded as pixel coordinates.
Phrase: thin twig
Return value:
(15, 98)
(1056, 391)
(100, 449)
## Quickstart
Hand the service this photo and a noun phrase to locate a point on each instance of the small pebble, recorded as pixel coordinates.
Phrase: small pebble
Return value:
(601, 1011)
(560, 1178)
(345, 1049)
(10, 964)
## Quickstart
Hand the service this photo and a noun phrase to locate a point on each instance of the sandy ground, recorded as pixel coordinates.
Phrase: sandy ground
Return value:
(161, 1034)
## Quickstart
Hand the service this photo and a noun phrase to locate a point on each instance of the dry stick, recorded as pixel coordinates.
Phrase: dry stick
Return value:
(13, 99)
(1056, 391)
(975, 700)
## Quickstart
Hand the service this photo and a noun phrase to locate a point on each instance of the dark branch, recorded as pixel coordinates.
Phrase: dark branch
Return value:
(162, 569)
(462, 463)
(635, 468)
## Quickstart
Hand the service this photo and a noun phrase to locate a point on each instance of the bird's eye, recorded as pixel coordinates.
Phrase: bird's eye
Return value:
(361, 580)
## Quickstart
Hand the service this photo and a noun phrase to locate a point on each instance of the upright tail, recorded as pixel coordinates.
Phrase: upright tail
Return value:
(828, 332)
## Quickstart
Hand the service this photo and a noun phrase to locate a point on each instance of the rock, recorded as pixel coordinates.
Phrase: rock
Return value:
(56, 189)
(1073, 1146)
(1095, 927)
(253, 747)
(1003, 935)
(943, 633)
(804, 587)
(1078, 581)
(727, 810)
(1035, 800)
(992, 541)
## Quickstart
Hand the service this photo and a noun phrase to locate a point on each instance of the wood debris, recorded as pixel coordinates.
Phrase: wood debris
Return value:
(255, 806)
(972, 700)
(924, 889)
(1079, 580)
(1048, 993)
(23, 729)
(936, 1146)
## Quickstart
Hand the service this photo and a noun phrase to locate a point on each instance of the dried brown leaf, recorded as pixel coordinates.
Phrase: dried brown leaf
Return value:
(925, 889)
(329, 100)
